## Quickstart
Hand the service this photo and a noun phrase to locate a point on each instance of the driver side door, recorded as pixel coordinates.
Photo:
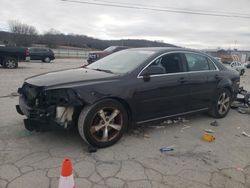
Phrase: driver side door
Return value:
(165, 91)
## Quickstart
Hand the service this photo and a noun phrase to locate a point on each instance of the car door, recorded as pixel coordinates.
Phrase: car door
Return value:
(163, 92)
(203, 80)
(34, 53)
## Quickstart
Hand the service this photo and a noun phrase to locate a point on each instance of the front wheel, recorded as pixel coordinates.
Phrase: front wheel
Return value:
(103, 124)
(221, 106)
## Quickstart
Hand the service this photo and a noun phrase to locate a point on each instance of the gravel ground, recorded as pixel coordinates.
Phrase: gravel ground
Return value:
(30, 159)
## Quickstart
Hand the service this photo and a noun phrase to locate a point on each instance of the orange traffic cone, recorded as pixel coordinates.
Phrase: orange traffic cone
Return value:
(66, 178)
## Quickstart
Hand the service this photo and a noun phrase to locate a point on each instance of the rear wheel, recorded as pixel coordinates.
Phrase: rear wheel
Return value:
(103, 124)
(221, 105)
(10, 63)
(47, 60)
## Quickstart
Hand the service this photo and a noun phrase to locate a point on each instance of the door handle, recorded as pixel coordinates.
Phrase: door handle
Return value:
(182, 80)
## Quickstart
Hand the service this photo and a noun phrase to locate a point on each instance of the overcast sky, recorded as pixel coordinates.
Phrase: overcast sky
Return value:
(186, 30)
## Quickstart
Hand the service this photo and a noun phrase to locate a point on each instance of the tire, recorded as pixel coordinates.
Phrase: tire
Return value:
(242, 72)
(95, 115)
(47, 60)
(220, 107)
(10, 63)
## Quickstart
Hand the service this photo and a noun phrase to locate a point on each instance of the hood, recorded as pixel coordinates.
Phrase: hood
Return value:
(65, 77)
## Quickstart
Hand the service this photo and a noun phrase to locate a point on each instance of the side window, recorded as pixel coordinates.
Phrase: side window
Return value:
(211, 65)
(170, 63)
(196, 62)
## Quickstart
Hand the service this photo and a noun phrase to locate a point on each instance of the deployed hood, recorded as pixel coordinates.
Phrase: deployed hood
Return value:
(69, 76)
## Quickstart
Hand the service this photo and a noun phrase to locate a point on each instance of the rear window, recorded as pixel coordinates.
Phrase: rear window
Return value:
(198, 62)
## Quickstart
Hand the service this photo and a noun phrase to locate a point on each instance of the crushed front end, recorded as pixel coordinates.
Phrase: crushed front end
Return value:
(47, 109)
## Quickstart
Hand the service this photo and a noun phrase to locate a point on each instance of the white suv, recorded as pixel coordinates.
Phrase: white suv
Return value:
(238, 67)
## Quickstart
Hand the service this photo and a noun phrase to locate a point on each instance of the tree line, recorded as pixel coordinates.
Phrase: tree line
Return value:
(25, 35)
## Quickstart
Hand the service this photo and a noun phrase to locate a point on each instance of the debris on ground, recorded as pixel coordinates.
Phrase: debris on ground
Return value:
(166, 149)
(185, 127)
(92, 149)
(167, 122)
(245, 134)
(146, 136)
(136, 132)
(176, 120)
(208, 137)
(244, 110)
(157, 127)
(214, 123)
(209, 130)
(240, 169)
(13, 94)
(242, 102)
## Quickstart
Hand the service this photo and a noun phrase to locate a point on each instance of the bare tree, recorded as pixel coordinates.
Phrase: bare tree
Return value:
(23, 34)
(21, 28)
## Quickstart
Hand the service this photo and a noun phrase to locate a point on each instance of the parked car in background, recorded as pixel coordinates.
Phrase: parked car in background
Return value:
(133, 86)
(43, 54)
(238, 67)
(247, 64)
(95, 55)
(10, 56)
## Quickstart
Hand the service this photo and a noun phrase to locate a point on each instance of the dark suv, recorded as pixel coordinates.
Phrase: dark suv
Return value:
(43, 54)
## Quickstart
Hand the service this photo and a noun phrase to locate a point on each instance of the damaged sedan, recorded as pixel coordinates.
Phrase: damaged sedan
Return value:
(130, 87)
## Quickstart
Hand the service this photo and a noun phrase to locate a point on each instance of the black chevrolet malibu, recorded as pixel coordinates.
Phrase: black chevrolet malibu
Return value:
(130, 87)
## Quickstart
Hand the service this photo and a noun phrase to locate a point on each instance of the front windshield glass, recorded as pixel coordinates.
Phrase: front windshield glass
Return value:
(121, 62)
(110, 49)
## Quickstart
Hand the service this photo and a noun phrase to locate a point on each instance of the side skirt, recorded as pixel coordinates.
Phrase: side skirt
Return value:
(174, 115)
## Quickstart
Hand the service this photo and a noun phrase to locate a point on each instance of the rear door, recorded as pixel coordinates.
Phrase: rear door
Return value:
(34, 54)
(203, 80)
(165, 93)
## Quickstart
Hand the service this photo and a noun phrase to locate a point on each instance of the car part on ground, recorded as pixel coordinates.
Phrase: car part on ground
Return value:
(134, 86)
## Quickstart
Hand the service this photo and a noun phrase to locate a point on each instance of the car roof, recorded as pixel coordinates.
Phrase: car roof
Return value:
(165, 49)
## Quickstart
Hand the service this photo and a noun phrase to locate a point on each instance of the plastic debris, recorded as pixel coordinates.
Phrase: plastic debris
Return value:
(209, 130)
(146, 136)
(244, 110)
(185, 127)
(208, 137)
(214, 123)
(166, 149)
(245, 134)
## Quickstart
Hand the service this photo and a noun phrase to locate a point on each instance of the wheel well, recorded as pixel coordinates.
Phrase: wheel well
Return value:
(229, 89)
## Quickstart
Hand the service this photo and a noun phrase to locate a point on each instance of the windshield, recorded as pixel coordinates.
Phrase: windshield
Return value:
(110, 49)
(121, 62)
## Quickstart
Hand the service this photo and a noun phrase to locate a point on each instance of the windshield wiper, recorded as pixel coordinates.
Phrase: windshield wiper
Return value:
(103, 70)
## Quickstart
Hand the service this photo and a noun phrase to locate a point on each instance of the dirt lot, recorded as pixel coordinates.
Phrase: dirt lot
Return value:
(29, 159)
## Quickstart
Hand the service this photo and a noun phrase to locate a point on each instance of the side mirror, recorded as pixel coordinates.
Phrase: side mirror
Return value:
(152, 70)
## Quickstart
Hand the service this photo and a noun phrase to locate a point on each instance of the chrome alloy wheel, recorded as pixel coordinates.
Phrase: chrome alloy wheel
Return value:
(10, 63)
(106, 124)
(223, 103)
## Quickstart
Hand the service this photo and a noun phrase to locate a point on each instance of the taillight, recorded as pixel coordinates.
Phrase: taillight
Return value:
(27, 52)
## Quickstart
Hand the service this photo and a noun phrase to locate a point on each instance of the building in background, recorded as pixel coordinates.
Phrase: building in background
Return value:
(244, 55)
